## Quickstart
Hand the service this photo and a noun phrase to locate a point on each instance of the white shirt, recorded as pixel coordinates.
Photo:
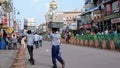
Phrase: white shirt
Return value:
(30, 39)
(40, 37)
(23, 42)
(36, 37)
(55, 39)
(106, 31)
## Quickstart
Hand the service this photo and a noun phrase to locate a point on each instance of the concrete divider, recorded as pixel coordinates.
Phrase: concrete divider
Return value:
(20, 58)
(18, 65)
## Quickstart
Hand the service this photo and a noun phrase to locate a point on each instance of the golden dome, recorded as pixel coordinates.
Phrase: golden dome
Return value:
(53, 5)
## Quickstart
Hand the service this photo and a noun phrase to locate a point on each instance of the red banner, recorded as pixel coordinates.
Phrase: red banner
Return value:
(117, 20)
(5, 21)
(87, 26)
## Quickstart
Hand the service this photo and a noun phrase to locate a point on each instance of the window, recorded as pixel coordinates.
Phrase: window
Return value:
(115, 6)
(108, 9)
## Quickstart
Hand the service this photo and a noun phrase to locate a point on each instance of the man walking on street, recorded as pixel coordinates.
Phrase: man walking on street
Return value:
(14, 41)
(40, 40)
(30, 43)
(56, 53)
(36, 40)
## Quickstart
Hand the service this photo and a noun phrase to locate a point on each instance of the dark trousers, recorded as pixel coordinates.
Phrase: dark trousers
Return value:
(14, 46)
(36, 44)
(56, 55)
(30, 50)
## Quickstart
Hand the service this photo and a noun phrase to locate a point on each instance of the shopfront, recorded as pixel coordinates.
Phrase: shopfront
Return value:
(116, 23)
(112, 21)
(111, 14)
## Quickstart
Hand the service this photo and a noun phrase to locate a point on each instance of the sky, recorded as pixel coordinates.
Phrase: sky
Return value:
(38, 8)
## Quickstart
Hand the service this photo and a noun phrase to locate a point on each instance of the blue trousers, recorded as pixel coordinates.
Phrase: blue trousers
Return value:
(56, 54)
(40, 42)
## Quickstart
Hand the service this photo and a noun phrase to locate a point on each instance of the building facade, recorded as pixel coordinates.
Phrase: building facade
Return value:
(92, 15)
(112, 14)
(69, 17)
(6, 15)
(29, 24)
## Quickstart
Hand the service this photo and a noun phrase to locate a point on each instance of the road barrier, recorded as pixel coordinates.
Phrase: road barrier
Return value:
(109, 41)
(19, 61)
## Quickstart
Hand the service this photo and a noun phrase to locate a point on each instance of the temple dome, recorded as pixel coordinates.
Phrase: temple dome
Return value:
(53, 5)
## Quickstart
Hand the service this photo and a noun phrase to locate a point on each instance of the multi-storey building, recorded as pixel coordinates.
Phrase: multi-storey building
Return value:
(112, 14)
(69, 17)
(6, 15)
(29, 24)
(41, 28)
(62, 18)
(92, 11)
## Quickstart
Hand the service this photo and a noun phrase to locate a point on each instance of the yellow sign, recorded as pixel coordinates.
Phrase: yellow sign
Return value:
(10, 30)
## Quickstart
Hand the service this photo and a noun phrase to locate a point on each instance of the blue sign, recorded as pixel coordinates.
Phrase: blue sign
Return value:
(20, 32)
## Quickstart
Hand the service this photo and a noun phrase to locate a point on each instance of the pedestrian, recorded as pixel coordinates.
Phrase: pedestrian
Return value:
(5, 36)
(19, 40)
(23, 41)
(9, 43)
(36, 40)
(14, 41)
(67, 37)
(56, 48)
(30, 42)
(40, 40)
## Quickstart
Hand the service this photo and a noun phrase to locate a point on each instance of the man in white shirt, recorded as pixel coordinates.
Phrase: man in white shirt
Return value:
(14, 41)
(36, 40)
(56, 49)
(30, 42)
(40, 40)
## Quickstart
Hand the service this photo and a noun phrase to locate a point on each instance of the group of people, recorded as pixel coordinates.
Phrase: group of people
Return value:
(30, 39)
(56, 48)
(9, 42)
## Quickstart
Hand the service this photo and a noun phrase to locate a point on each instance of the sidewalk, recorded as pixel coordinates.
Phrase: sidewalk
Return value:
(7, 57)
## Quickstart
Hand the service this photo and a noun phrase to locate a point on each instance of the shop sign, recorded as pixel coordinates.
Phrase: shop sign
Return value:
(98, 18)
(5, 21)
(10, 30)
(117, 20)
(115, 15)
(87, 26)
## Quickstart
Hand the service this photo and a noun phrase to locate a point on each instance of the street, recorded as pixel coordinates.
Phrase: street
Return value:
(7, 58)
(75, 57)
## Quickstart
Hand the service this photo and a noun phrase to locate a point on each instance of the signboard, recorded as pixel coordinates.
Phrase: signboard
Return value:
(117, 20)
(87, 26)
(5, 21)
(9, 30)
(20, 32)
(111, 16)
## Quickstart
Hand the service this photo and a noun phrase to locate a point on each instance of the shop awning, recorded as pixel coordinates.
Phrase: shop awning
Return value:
(93, 9)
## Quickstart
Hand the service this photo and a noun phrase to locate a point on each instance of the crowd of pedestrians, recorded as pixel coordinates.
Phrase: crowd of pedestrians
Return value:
(9, 42)
(31, 40)
(36, 40)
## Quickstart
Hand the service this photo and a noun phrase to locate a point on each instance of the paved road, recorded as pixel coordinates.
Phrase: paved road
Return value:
(7, 58)
(76, 57)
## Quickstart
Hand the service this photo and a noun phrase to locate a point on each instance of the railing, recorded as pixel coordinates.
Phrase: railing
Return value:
(109, 41)
(100, 38)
